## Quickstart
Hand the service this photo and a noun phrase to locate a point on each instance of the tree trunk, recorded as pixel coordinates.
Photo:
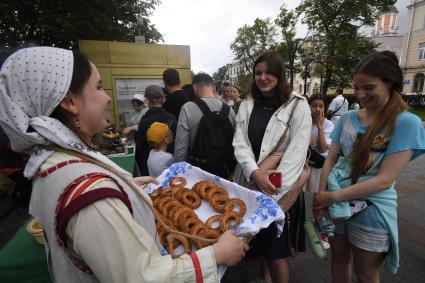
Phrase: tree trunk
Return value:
(328, 72)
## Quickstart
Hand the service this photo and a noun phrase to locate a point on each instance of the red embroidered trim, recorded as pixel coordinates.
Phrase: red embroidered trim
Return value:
(89, 182)
(85, 200)
(61, 231)
(74, 207)
(52, 169)
(197, 265)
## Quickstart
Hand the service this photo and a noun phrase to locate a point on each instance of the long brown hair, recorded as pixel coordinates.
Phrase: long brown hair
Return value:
(383, 65)
(276, 68)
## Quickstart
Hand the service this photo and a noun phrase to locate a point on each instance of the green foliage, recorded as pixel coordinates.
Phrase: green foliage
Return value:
(290, 46)
(62, 23)
(252, 40)
(220, 76)
(337, 44)
(243, 81)
(420, 111)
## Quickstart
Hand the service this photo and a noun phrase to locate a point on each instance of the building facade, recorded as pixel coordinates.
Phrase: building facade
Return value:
(412, 58)
(386, 23)
(234, 70)
(385, 32)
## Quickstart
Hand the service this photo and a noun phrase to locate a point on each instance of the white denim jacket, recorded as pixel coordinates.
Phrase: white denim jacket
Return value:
(295, 145)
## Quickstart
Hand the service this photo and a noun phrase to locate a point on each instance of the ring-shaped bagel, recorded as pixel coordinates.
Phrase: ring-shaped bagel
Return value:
(219, 203)
(231, 203)
(204, 188)
(214, 219)
(163, 200)
(155, 194)
(196, 187)
(228, 218)
(179, 191)
(182, 212)
(216, 192)
(187, 224)
(169, 205)
(171, 246)
(178, 182)
(173, 210)
(190, 199)
(166, 192)
(206, 233)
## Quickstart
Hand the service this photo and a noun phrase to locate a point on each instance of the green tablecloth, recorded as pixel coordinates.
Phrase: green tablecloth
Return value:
(23, 260)
(126, 161)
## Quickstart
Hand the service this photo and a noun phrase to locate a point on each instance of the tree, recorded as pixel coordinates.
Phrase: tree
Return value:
(335, 26)
(243, 80)
(220, 76)
(63, 23)
(252, 40)
(290, 46)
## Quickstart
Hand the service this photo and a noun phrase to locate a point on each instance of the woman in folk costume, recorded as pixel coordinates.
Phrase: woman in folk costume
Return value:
(97, 229)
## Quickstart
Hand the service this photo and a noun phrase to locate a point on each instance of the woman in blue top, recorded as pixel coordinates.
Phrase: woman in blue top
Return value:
(370, 148)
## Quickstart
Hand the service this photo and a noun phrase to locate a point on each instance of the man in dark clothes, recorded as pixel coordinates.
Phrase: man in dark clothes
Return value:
(156, 113)
(176, 97)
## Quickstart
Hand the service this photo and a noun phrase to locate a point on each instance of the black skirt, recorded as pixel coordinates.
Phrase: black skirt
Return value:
(267, 244)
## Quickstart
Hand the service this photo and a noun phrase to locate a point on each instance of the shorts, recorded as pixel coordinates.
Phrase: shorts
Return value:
(365, 230)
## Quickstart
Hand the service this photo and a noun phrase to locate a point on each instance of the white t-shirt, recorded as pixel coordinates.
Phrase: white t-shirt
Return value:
(328, 127)
(336, 103)
(135, 118)
(158, 161)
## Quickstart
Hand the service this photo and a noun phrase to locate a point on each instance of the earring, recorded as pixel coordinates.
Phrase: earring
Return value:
(77, 123)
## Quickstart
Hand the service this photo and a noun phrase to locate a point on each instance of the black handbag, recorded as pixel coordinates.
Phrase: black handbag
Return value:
(316, 159)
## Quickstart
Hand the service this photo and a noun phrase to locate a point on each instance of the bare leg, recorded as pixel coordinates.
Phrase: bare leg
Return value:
(279, 270)
(341, 259)
(265, 269)
(367, 265)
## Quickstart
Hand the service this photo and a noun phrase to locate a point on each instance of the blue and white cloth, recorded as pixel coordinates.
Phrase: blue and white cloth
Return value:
(261, 210)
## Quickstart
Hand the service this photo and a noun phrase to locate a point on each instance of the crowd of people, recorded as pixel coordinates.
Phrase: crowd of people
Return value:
(98, 229)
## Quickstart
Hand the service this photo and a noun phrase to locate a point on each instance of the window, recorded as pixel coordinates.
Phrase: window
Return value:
(422, 51)
(418, 83)
(423, 24)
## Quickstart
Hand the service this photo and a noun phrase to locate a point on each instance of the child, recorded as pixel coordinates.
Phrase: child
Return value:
(159, 137)
(320, 140)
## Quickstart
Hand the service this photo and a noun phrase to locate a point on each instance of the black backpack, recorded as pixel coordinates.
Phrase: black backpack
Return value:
(212, 148)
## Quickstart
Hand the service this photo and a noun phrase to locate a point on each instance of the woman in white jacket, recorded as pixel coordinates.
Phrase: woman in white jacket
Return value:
(260, 124)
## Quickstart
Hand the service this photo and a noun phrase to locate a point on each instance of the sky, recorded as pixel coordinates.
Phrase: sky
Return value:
(209, 27)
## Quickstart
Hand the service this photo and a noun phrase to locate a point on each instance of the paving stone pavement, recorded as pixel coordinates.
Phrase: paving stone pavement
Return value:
(411, 220)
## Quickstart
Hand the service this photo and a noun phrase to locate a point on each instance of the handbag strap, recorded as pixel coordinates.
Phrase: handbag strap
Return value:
(334, 112)
(285, 133)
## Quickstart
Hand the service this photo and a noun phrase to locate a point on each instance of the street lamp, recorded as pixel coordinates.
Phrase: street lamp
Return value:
(306, 60)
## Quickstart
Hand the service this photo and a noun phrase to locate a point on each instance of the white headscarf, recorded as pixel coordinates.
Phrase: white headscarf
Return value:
(33, 81)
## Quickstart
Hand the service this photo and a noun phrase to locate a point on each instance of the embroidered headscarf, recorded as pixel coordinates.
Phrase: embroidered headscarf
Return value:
(33, 81)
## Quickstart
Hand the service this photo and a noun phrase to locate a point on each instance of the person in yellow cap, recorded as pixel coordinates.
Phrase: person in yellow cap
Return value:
(159, 137)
